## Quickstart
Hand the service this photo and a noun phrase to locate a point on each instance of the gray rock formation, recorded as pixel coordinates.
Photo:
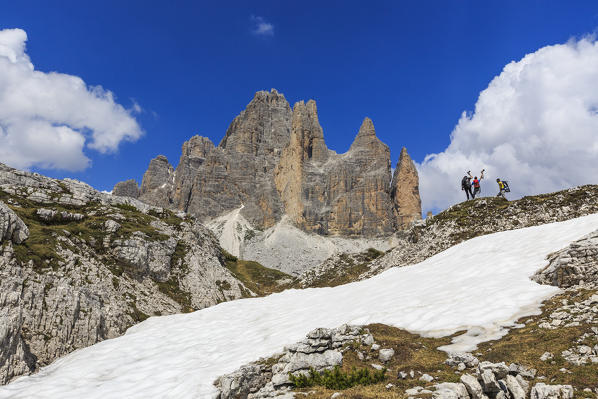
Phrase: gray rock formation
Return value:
(12, 227)
(127, 188)
(327, 193)
(405, 191)
(91, 266)
(576, 264)
(273, 161)
(544, 391)
(321, 350)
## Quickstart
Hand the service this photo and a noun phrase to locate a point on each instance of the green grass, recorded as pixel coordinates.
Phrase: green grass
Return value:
(259, 279)
(338, 379)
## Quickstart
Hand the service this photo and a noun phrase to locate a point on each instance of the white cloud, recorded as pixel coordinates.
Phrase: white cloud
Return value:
(536, 125)
(261, 26)
(48, 119)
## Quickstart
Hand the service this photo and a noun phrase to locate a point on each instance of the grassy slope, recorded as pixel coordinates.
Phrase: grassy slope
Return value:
(259, 279)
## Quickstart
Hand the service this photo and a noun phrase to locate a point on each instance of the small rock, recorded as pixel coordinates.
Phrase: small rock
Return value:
(544, 391)
(377, 366)
(388, 386)
(402, 375)
(335, 395)
(413, 391)
(451, 390)
(461, 366)
(368, 340)
(375, 347)
(426, 378)
(546, 356)
(111, 226)
(386, 354)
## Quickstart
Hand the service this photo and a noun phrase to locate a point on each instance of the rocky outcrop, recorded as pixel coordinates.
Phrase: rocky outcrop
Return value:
(574, 265)
(12, 227)
(78, 266)
(321, 350)
(405, 191)
(127, 188)
(157, 182)
(274, 162)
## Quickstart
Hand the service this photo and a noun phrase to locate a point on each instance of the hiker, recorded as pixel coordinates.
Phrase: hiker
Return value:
(476, 184)
(503, 187)
(466, 184)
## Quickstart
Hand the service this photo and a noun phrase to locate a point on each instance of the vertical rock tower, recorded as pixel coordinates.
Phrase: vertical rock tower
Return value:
(405, 191)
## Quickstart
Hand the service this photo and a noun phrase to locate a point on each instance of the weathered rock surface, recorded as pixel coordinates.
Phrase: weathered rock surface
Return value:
(321, 350)
(91, 266)
(12, 227)
(156, 183)
(405, 191)
(273, 161)
(327, 193)
(574, 265)
(127, 188)
(544, 391)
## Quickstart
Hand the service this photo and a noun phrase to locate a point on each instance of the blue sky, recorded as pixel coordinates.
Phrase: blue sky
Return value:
(413, 67)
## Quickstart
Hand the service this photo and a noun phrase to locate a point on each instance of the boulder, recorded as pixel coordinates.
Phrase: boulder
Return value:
(544, 391)
(385, 355)
(451, 390)
(473, 386)
(516, 391)
(12, 228)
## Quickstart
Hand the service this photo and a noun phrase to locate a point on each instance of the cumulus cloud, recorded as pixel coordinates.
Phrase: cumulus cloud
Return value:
(536, 125)
(261, 27)
(48, 120)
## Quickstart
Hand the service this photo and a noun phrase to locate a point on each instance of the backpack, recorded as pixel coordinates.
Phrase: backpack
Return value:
(476, 183)
(464, 181)
(507, 189)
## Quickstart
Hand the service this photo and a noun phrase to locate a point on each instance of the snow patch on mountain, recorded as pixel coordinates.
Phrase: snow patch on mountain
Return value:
(481, 285)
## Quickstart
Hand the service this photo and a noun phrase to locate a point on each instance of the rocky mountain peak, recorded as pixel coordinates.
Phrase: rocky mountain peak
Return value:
(366, 138)
(306, 133)
(262, 128)
(158, 173)
(405, 191)
(197, 146)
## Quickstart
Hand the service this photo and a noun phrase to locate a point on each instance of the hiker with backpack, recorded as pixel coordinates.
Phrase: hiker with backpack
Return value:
(466, 184)
(503, 187)
(476, 184)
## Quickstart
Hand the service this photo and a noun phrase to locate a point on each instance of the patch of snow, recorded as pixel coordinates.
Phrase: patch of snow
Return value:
(481, 285)
(107, 192)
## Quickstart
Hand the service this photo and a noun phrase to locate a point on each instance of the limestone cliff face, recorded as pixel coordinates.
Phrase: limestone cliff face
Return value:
(273, 161)
(328, 193)
(405, 191)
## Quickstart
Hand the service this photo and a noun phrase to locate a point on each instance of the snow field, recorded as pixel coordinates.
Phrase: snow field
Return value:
(482, 285)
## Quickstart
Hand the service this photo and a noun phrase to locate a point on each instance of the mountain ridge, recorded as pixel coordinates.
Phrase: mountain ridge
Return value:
(273, 161)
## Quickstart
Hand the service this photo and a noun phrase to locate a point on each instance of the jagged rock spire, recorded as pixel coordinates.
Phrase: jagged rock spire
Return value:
(263, 127)
(405, 191)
